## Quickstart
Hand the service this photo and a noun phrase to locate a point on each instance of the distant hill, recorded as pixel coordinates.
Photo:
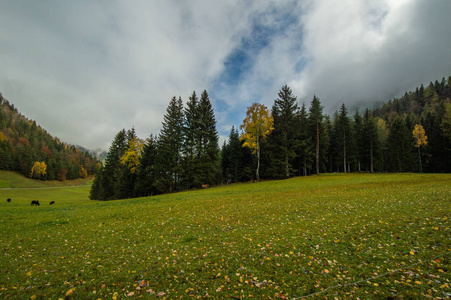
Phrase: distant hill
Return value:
(23, 143)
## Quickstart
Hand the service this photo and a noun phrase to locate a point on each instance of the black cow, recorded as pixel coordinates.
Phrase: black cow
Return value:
(53, 202)
(35, 202)
(9, 199)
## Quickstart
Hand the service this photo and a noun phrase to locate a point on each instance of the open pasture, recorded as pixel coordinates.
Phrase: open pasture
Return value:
(340, 235)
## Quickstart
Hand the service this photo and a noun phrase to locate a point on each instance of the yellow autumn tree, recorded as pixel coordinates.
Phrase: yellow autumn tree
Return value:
(257, 124)
(82, 173)
(130, 159)
(420, 140)
(38, 170)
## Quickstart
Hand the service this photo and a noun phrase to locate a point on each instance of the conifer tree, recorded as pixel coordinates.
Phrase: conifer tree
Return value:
(399, 143)
(106, 185)
(146, 175)
(370, 139)
(358, 135)
(285, 136)
(190, 152)
(305, 148)
(343, 136)
(207, 141)
(170, 144)
(316, 125)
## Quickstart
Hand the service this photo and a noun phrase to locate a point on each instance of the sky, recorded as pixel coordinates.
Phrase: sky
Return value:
(84, 70)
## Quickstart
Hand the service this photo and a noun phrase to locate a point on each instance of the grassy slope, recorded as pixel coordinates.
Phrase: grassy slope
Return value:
(15, 180)
(272, 239)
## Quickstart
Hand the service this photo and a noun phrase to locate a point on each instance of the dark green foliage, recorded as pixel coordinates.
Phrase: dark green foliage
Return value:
(305, 150)
(170, 142)
(109, 183)
(284, 139)
(370, 140)
(236, 161)
(400, 146)
(207, 142)
(185, 155)
(189, 150)
(23, 142)
(317, 130)
(147, 176)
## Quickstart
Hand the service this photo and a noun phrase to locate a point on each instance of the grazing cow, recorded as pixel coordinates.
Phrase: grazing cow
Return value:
(53, 202)
(9, 199)
(35, 202)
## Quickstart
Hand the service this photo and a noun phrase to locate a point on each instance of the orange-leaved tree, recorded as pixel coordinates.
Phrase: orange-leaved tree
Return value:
(420, 140)
(257, 124)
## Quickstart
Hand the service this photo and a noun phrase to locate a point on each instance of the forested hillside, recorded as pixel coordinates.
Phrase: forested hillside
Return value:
(27, 148)
(410, 134)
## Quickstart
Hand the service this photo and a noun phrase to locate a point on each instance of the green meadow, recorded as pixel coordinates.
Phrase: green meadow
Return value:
(334, 235)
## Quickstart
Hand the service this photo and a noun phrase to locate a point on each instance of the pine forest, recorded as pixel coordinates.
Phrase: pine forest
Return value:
(407, 134)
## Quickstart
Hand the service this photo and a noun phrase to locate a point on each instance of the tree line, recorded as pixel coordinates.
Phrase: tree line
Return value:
(27, 148)
(409, 134)
(184, 155)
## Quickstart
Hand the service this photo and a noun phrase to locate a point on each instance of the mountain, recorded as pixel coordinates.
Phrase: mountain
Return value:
(29, 149)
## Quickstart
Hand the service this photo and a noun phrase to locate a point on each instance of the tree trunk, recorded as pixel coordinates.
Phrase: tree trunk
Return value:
(419, 156)
(344, 151)
(257, 172)
(287, 171)
(317, 148)
(371, 155)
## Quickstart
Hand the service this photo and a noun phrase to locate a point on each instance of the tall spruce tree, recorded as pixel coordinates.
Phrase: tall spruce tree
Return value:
(343, 136)
(316, 125)
(170, 143)
(359, 140)
(285, 137)
(399, 144)
(207, 141)
(107, 184)
(370, 138)
(305, 149)
(146, 175)
(190, 154)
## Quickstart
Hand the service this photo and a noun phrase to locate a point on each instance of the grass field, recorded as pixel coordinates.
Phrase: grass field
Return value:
(338, 235)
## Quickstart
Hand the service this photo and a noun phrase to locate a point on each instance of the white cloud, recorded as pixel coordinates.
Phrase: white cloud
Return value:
(84, 70)
(362, 52)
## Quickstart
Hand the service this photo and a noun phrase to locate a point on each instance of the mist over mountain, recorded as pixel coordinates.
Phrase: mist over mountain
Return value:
(29, 149)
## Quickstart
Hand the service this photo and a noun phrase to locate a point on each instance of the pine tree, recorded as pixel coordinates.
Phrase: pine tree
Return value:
(399, 145)
(170, 144)
(285, 136)
(305, 148)
(190, 153)
(316, 125)
(146, 175)
(207, 142)
(342, 129)
(370, 139)
(359, 138)
(107, 184)
(236, 154)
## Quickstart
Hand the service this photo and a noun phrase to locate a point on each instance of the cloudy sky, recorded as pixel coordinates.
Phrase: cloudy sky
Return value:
(86, 69)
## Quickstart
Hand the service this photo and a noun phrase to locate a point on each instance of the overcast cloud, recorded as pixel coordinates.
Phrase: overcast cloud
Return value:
(86, 69)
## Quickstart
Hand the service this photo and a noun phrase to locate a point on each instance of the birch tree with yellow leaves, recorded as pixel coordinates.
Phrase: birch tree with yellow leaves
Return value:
(420, 140)
(257, 124)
